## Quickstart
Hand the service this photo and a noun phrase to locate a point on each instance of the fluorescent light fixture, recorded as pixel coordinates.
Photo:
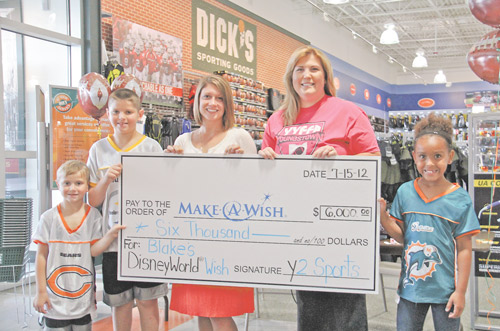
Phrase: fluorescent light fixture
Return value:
(335, 2)
(389, 36)
(420, 61)
(440, 78)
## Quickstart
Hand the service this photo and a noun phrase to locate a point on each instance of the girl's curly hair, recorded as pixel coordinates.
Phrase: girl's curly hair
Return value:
(437, 125)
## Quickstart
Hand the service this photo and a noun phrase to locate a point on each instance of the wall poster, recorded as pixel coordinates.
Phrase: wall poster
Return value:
(155, 58)
(73, 131)
(488, 99)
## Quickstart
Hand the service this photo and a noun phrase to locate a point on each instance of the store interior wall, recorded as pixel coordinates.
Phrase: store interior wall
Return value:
(303, 20)
(174, 18)
(351, 59)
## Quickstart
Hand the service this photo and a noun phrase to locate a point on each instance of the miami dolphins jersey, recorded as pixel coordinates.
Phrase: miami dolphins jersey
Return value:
(103, 154)
(431, 226)
(70, 270)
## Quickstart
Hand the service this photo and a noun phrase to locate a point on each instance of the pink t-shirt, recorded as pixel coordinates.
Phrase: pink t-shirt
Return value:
(331, 121)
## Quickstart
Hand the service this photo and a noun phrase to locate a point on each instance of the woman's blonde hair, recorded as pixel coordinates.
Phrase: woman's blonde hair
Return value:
(223, 86)
(291, 104)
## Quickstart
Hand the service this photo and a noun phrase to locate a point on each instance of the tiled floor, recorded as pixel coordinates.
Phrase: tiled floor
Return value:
(276, 311)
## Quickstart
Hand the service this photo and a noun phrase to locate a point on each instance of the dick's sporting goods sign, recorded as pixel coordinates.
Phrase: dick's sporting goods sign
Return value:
(222, 41)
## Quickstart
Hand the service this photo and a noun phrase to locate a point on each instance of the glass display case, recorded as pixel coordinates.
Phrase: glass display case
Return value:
(484, 131)
(484, 189)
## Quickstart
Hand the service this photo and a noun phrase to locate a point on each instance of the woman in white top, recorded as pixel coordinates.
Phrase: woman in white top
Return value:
(214, 112)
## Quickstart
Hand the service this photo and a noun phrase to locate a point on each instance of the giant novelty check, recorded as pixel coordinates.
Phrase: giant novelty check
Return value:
(293, 222)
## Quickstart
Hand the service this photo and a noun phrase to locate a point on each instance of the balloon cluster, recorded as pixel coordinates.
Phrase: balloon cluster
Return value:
(484, 56)
(94, 91)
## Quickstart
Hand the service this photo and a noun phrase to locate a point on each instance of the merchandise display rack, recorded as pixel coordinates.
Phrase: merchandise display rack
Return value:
(15, 237)
(250, 103)
(483, 138)
(404, 121)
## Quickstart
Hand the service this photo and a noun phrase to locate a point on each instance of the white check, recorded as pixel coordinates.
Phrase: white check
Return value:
(295, 222)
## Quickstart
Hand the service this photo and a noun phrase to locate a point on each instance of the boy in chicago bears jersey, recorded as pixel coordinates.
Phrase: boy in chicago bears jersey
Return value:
(124, 110)
(435, 220)
(69, 235)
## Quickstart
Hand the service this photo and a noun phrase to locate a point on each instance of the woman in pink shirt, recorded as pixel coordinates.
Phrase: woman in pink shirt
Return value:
(313, 121)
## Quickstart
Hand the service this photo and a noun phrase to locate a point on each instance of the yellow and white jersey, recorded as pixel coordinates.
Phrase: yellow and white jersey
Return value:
(102, 155)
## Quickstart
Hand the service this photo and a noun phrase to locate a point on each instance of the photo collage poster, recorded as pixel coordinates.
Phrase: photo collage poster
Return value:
(155, 58)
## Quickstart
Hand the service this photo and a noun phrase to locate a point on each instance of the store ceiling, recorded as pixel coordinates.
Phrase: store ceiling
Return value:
(444, 29)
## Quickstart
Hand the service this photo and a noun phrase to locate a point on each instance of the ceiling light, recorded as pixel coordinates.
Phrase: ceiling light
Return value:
(440, 78)
(325, 17)
(335, 2)
(374, 49)
(390, 60)
(404, 69)
(354, 35)
(389, 36)
(420, 61)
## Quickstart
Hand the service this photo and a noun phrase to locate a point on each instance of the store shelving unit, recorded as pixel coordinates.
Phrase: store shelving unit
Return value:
(250, 103)
(404, 121)
(484, 130)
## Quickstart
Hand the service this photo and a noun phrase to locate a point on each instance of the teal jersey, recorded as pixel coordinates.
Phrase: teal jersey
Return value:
(431, 227)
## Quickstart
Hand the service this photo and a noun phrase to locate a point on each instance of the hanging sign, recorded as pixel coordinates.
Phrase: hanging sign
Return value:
(426, 102)
(222, 41)
(294, 223)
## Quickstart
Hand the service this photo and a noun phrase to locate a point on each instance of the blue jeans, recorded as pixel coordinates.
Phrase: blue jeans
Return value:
(411, 316)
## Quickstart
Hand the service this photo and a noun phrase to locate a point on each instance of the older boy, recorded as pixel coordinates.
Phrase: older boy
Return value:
(124, 110)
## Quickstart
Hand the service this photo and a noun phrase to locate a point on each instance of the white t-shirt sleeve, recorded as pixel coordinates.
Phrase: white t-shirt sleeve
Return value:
(155, 146)
(182, 140)
(96, 219)
(92, 165)
(42, 231)
(245, 141)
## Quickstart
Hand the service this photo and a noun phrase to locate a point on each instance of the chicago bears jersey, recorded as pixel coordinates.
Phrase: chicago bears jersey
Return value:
(70, 270)
(431, 227)
(103, 154)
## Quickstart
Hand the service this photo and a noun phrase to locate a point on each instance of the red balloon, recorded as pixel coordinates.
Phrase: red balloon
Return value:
(130, 82)
(486, 11)
(93, 94)
(483, 57)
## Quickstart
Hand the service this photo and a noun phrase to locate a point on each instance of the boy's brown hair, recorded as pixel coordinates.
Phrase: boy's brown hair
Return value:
(126, 94)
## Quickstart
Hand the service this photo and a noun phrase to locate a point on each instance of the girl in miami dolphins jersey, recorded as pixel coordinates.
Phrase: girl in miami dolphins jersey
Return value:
(435, 221)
